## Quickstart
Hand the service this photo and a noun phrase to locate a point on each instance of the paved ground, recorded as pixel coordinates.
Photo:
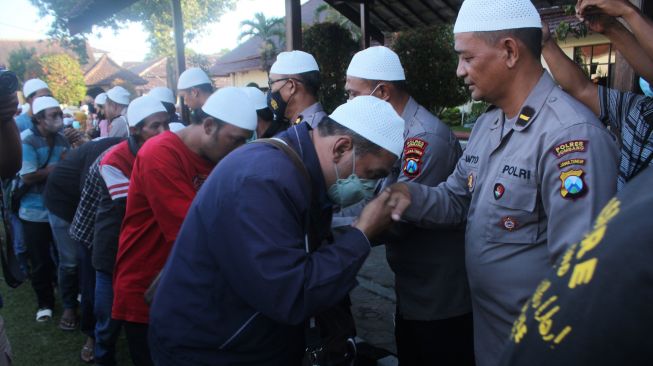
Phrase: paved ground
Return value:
(373, 305)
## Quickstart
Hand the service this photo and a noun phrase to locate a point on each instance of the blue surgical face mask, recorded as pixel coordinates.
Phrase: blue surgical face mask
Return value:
(76, 125)
(346, 192)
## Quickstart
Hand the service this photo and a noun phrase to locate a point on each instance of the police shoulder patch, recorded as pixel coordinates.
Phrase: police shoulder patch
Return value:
(573, 185)
(569, 147)
(413, 152)
(571, 162)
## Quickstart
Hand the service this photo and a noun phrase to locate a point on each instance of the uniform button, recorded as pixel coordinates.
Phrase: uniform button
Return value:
(552, 99)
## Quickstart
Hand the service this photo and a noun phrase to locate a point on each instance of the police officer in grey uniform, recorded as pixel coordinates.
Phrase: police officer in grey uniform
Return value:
(433, 320)
(538, 167)
(294, 83)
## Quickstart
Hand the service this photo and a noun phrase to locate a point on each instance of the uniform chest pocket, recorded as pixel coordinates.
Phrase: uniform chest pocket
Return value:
(513, 215)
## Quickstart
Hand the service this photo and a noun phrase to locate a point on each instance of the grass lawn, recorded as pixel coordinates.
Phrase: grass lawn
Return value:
(41, 344)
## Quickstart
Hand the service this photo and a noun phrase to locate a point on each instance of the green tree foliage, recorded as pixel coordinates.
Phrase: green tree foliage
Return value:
(271, 31)
(19, 60)
(63, 74)
(326, 13)
(332, 46)
(430, 62)
(154, 15)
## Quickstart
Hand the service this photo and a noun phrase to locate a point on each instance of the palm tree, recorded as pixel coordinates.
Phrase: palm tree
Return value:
(333, 16)
(267, 29)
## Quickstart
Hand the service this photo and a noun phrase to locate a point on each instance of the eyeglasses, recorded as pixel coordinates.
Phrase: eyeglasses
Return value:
(272, 82)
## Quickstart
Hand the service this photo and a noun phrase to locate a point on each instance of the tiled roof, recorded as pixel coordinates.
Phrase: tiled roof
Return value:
(105, 71)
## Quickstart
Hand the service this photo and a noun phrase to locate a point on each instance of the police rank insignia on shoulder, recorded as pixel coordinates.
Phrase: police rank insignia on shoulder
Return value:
(573, 184)
(413, 153)
(569, 147)
(525, 116)
(298, 120)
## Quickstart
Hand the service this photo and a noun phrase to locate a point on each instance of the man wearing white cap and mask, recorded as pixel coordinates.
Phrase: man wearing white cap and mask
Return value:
(168, 172)
(538, 167)
(147, 118)
(43, 146)
(195, 87)
(294, 83)
(433, 322)
(244, 244)
(32, 89)
(102, 123)
(115, 109)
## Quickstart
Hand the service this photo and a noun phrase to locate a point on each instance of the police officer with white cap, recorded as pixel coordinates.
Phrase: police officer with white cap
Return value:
(32, 89)
(538, 167)
(195, 87)
(115, 109)
(433, 321)
(294, 83)
(244, 243)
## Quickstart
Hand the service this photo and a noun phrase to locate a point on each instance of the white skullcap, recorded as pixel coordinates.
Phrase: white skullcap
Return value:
(374, 119)
(294, 62)
(33, 85)
(231, 105)
(192, 77)
(101, 99)
(376, 63)
(496, 15)
(256, 96)
(141, 108)
(163, 94)
(42, 103)
(119, 95)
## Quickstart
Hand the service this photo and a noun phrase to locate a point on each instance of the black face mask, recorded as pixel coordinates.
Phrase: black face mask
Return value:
(277, 105)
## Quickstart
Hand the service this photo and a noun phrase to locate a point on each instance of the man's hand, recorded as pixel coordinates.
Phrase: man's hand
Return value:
(613, 8)
(546, 33)
(8, 107)
(375, 217)
(399, 199)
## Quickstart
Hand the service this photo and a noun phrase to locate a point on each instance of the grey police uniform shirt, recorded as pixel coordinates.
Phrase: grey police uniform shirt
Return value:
(312, 115)
(429, 264)
(527, 190)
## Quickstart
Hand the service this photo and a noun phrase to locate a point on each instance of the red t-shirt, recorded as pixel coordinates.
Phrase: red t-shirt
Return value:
(165, 178)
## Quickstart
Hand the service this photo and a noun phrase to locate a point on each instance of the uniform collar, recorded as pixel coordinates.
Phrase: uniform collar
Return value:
(530, 109)
(308, 113)
(299, 139)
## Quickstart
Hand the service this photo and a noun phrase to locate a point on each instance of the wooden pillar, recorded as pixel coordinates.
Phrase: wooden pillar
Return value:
(293, 25)
(178, 25)
(365, 25)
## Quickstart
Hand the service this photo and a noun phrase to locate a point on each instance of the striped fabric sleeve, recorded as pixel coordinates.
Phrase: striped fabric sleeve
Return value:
(117, 183)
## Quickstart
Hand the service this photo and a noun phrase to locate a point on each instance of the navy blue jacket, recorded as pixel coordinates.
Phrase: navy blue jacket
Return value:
(239, 286)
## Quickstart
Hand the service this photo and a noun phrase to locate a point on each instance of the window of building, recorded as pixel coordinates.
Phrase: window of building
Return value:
(597, 61)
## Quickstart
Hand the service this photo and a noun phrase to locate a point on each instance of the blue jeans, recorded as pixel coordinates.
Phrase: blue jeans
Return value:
(68, 261)
(19, 242)
(107, 330)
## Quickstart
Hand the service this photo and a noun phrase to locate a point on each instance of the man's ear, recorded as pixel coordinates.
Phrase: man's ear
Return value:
(511, 51)
(343, 144)
(384, 91)
(209, 126)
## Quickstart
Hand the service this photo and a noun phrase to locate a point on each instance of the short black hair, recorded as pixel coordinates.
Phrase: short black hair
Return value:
(204, 88)
(311, 81)
(200, 116)
(36, 117)
(398, 84)
(530, 37)
(329, 127)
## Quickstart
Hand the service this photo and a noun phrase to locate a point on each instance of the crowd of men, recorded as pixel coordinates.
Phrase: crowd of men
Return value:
(236, 237)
